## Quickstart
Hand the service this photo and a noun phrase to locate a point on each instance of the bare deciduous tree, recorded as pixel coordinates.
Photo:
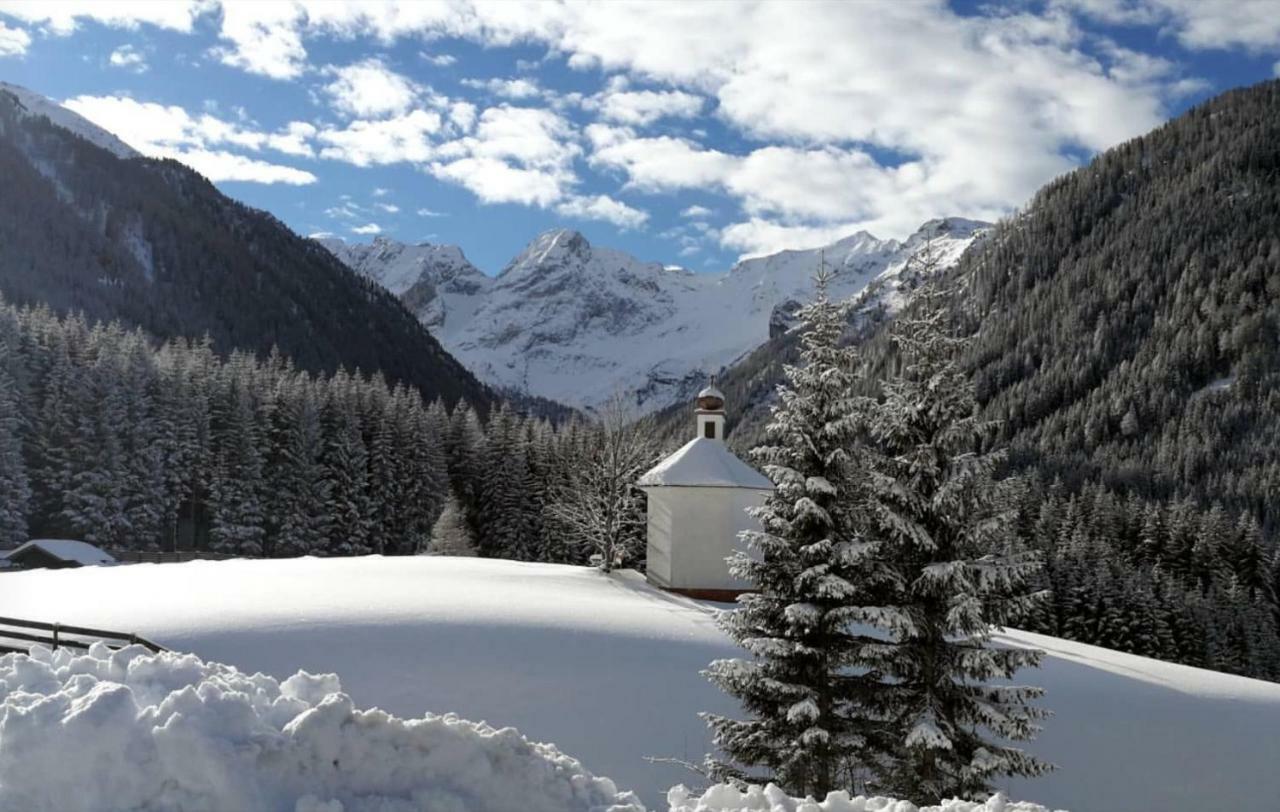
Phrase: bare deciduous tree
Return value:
(597, 505)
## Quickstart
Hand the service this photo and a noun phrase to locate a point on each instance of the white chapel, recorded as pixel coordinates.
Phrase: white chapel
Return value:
(698, 500)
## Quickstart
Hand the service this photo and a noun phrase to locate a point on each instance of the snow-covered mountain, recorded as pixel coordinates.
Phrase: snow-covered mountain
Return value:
(33, 104)
(436, 281)
(578, 323)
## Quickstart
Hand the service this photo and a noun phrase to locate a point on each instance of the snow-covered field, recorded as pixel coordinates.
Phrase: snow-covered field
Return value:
(607, 668)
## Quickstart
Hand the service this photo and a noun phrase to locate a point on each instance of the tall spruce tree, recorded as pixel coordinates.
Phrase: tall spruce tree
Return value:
(810, 726)
(958, 571)
(15, 492)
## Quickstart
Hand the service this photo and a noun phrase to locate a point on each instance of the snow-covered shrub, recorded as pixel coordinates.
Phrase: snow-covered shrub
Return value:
(727, 798)
(127, 730)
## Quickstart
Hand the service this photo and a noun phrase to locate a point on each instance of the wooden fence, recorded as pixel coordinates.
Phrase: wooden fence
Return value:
(18, 635)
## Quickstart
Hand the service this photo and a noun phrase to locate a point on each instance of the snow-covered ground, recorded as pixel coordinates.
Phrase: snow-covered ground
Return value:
(107, 731)
(725, 798)
(607, 668)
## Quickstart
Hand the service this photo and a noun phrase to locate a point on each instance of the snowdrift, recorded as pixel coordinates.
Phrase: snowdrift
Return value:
(608, 668)
(131, 730)
(725, 798)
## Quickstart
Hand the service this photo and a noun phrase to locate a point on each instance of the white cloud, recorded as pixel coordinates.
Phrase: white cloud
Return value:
(643, 107)
(405, 138)
(13, 41)
(976, 110)
(370, 228)
(389, 208)
(658, 164)
(61, 17)
(462, 115)
(603, 207)
(370, 89)
(219, 165)
(518, 88)
(496, 181)
(439, 60)
(294, 140)
(168, 131)
(758, 237)
(264, 38)
(425, 212)
(516, 155)
(381, 191)
(126, 56)
(697, 211)
(1198, 24)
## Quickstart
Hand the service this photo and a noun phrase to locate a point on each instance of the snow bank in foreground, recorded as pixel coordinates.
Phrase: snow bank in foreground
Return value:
(132, 730)
(725, 798)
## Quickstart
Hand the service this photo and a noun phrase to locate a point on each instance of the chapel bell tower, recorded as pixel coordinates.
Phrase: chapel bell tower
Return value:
(710, 413)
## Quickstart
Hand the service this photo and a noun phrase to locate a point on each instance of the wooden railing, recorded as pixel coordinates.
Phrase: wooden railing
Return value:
(58, 635)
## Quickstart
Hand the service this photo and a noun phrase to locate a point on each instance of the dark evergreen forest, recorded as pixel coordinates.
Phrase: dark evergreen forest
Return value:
(113, 438)
(155, 245)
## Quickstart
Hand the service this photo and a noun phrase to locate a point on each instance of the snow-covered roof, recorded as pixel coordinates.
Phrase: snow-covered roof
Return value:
(67, 550)
(705, 463)
(711, 392)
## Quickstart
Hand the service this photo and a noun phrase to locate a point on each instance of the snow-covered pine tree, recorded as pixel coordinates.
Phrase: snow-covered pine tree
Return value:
(428, 484)
(811, 725)
(15, 492)
(450, 534)
(464, 453)
(235, 492)
(346, 466)
(94, 502)
(958, 572)
(57, 397)
(505, 530)
(150, 503)
(299, 488)
(388, 476)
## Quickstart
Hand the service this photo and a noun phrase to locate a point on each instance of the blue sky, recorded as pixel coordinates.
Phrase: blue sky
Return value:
(682, 133)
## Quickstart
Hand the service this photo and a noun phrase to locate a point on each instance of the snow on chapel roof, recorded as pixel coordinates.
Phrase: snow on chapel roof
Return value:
(705, 463)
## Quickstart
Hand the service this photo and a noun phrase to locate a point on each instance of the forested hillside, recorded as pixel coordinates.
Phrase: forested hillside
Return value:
(1129, 318)
(1127, 327)
(155, 245)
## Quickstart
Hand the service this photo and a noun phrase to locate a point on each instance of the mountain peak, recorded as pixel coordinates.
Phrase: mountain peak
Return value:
(553, 248)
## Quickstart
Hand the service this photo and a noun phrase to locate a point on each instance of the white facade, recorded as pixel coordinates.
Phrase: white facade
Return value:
(698, 502)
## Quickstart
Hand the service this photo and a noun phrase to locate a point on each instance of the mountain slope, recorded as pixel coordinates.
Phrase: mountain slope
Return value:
(1131, 316)
(579, 323)
(86, 226)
